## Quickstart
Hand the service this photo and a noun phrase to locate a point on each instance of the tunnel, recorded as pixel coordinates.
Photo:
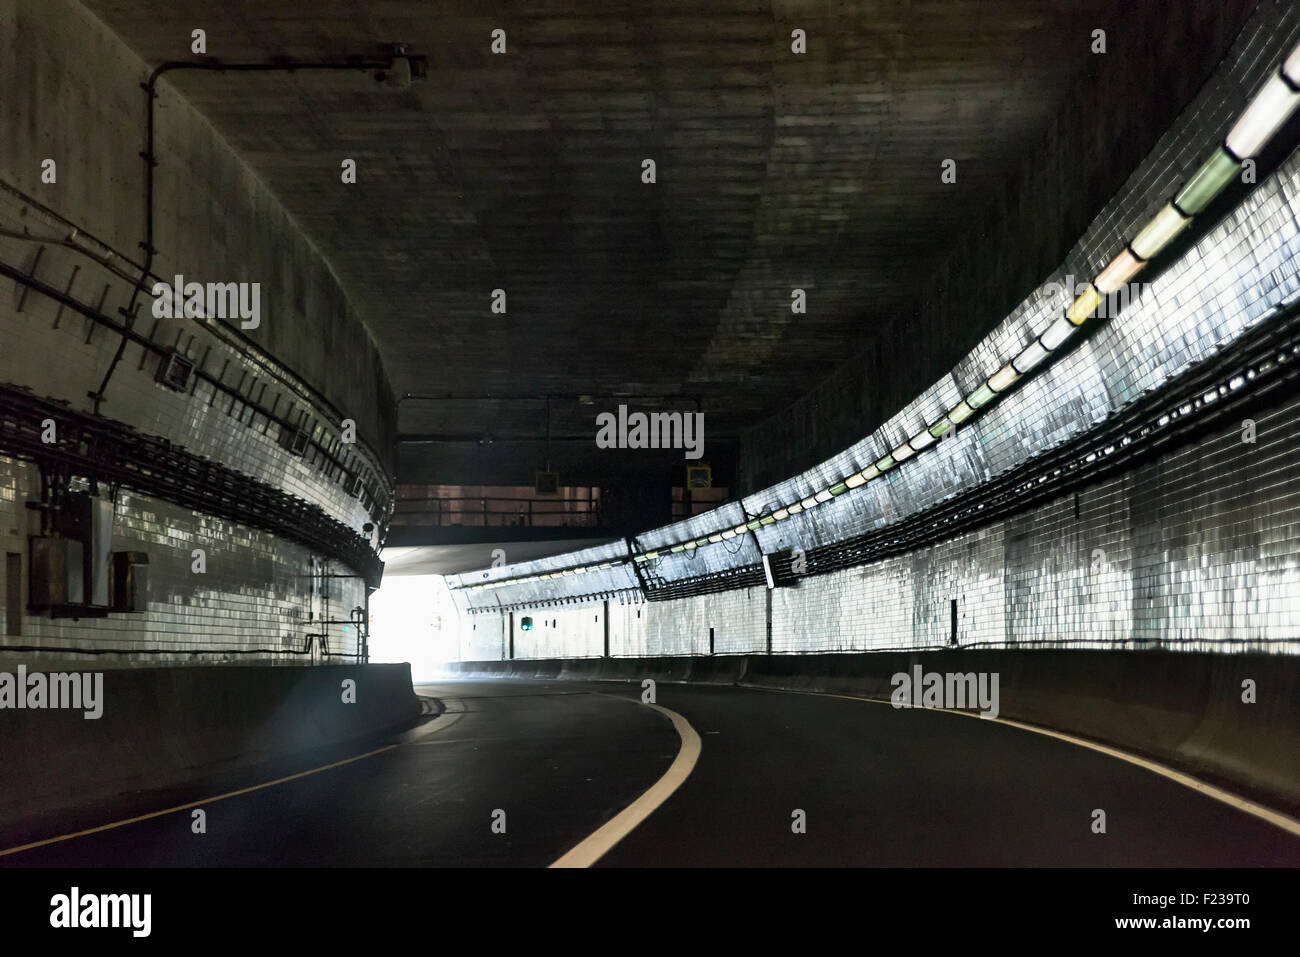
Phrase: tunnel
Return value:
(666, 437)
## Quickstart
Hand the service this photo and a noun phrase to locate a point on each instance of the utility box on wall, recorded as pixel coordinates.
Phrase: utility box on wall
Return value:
(56, 577)
(130, 581)
(89, 520)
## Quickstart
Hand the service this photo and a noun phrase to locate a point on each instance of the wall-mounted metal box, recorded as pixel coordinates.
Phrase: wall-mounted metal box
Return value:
(130, 581)
(56, 576)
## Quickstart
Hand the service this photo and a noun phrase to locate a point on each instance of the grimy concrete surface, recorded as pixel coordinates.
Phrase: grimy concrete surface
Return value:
(556, 759)
(161, 727)
(1185, 710)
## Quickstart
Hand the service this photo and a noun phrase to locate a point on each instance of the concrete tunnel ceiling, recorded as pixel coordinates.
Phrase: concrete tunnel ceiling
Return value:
(523, 172)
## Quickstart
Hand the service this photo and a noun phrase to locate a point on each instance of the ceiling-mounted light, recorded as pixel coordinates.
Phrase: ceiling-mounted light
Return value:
(980, 397)
(854, 480)
(1084, 305)
(781, 514)
(1057, 333)
(810, 502)
(1206, 183)
(1271, 107)
(869, 473)
(902, 453)
(1004, 378)
(960, 412)
(1120, 270)
(885, 464)
(822, 496)
(921, 440)
(1291, 68)
(1033, 354)
(1157, 234)
(795, 509)
(942, 427)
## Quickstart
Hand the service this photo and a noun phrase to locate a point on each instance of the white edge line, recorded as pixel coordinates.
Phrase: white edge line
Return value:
(1276, 818)
(598, 844)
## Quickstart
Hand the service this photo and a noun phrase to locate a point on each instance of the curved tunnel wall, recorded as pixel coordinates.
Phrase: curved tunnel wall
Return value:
(1193, 551)
(308, 365)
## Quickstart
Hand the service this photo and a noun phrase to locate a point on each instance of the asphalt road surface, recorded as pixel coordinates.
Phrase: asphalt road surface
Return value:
(517, 773)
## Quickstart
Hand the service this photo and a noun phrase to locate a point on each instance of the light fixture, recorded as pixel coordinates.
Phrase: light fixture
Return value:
(960, 412)
(839, 488)
(1291, 68)
(921, 440)
(980, 397)
(822, 496)
(1206, 183)
(1271, 107)
(781, 514)
(810, 502)
(1156, 235)
(1033, 354)
(1083, 306)
(854, 480)
(1120, 270)
(941, 427)
(902, 453)
(740, 530)
(885, 464)
(1057, 333)
(1004, 378)
(869, 473)
(795, 509)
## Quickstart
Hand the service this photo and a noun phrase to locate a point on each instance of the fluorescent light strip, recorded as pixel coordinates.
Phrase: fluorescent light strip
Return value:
(1206, 183)
(1034, 353)
(1120, 270)
(1267, 112)
(960, 412)
(1083, 306)
(1004, 378)
(1158, 233)
(1057, 333)
(1291, 68)
(921, 440)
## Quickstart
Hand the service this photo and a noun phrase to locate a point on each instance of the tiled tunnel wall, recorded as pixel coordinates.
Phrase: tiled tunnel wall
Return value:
(311, 360)
(1197, 551)
(1087, 147)
(256, 591)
